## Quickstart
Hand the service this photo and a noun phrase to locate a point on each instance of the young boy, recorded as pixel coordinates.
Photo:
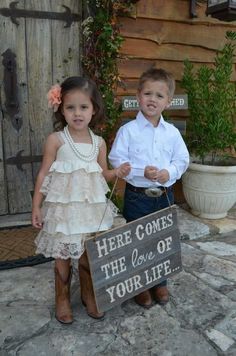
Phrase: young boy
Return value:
(157, 155)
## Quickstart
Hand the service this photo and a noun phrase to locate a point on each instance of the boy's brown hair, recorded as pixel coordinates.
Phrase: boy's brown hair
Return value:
(158, 74)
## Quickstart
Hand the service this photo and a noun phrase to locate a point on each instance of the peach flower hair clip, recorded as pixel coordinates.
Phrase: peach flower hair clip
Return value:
(54, 97)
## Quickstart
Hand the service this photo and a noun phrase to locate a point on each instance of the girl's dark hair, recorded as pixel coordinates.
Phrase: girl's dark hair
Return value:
(89, 87)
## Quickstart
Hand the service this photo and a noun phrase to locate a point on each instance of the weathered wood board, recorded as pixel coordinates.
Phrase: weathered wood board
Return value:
(175, 32)
(174, 51)
(15, 142)
(129, 259)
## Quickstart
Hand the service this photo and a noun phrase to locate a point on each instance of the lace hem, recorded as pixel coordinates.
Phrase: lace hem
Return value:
(60, 245)
(54, 246)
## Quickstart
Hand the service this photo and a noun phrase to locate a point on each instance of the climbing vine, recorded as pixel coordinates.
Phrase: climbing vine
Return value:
(102, 43)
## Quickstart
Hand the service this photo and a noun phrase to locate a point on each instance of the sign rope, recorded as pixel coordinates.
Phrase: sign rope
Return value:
(165, 190)
(112, 192)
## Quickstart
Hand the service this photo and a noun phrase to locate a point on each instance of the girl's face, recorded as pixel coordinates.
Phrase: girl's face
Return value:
(77, 109)
(153, 99)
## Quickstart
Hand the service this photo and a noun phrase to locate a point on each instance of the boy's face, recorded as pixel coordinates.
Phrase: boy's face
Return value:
(153, 99)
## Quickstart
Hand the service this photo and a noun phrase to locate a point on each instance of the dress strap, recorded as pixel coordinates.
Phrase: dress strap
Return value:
(99, 140)
(61, 137)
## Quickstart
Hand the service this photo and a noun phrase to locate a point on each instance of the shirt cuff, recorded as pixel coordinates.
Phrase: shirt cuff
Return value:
(172, 173)
(137, 172)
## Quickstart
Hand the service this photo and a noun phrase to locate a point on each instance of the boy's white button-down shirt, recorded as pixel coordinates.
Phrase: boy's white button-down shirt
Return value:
(141, 144)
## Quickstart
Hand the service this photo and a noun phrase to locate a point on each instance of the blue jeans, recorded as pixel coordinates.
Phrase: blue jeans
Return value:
(137, 205)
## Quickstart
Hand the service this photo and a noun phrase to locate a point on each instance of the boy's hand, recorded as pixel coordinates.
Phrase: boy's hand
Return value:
(37, 218)
(163, 176)
(123, 170)
(151, 173)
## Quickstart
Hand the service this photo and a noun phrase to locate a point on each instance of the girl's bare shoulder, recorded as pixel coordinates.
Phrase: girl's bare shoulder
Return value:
(54, 139)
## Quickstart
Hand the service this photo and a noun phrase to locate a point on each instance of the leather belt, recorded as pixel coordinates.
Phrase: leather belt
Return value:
(154, 192)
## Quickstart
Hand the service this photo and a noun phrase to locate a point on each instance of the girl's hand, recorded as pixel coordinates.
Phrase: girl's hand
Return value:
(37, 218)
(123, 170)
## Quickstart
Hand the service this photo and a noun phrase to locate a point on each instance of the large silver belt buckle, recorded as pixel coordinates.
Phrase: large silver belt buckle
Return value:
(153, 192)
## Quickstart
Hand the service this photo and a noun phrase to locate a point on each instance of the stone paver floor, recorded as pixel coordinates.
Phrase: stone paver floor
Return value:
(200, 318)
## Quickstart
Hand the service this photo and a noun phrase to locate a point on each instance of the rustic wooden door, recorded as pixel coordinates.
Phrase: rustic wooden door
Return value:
(37, 50)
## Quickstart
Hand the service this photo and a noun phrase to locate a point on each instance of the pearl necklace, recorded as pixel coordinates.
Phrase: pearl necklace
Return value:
(94, 150)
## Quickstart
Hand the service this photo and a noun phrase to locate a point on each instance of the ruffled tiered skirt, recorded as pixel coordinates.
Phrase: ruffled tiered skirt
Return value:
(75, 207)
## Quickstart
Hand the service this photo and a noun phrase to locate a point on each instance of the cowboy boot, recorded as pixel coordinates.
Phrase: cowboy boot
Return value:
(144, 299)
(86, 287)
(161, 294)
(62, 296)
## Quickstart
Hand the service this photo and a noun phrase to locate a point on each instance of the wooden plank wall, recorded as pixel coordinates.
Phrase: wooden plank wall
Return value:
(161, 33)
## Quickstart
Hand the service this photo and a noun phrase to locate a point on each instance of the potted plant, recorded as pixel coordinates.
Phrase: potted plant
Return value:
(209, 185)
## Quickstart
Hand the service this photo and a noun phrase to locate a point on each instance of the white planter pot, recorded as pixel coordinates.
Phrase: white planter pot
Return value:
(210, 191)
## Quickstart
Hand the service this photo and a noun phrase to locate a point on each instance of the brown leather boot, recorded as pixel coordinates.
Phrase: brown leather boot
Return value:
(62, 296)
(161, 294)
(144, 299)
(86, 287)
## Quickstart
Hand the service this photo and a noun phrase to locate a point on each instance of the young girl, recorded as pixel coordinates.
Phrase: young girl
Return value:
(72, 179)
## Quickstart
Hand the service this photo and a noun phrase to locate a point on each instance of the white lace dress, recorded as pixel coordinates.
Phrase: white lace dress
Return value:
(74, 203)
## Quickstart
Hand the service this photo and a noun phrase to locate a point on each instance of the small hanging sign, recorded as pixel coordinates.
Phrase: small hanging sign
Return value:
(179, 102)
(130, 259)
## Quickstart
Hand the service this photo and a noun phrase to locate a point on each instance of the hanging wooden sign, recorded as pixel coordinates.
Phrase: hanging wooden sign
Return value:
(179, 102)
(132, 258)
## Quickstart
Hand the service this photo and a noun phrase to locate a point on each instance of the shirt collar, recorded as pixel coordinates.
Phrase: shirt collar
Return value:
(142, 121)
